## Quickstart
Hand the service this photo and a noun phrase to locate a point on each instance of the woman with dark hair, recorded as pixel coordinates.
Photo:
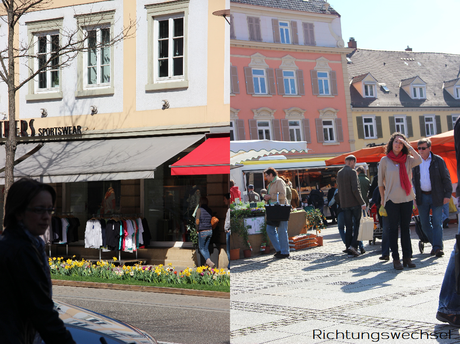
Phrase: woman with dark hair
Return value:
(395, 175)
(204, 229)
(27, 306)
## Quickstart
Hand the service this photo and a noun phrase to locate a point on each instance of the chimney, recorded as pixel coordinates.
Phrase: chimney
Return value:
(352, 43)
(408, 49)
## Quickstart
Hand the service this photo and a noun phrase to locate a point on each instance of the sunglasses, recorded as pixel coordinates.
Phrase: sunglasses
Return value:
(422, 148)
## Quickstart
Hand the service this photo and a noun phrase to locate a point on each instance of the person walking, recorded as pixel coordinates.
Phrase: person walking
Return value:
(395, 174)
(276, 191)
(28, 311)
(332, 204)
(364, 184)
(227, 229)
(449, 300)
(235, 192)
(204, 230)
(351, 202)
(433, 189)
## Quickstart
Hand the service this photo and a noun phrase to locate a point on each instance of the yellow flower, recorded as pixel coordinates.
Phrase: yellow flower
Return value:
(54, 258)
(114, 259)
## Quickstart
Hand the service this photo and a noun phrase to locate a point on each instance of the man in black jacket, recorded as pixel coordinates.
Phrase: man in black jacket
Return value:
(433, 189)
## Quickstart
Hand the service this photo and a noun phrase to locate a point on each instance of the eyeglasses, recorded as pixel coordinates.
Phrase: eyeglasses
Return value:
(422, 148)
(42, 211)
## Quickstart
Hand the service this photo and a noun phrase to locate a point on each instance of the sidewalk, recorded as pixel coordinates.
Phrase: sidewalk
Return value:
(319, 295)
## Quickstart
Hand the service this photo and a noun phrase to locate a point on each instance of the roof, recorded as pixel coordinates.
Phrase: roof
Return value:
(315, 6)
(393, 67)
(450, 83)
(359, 78)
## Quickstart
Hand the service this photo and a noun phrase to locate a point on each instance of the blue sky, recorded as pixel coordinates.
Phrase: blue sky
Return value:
(424, 25)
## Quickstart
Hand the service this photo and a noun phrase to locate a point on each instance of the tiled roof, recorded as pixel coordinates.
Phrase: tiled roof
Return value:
(409, 81)
(392, 67)
(450, 83)
(315, 6)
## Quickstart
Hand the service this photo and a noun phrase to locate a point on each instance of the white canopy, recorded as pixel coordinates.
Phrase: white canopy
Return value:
(249, 149)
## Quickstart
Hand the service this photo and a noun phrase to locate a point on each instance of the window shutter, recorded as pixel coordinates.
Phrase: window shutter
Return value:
(422, 126)
(319, 130)
(295, 32)
(280, 81)
(253, 129)
(276, 129)
(391, 119)
(271, 81)
(285, 129)
(410, 130)
(360, 126)
(240, 132)
(438, 124)
(333, 76)
(235, 87)
(306, 130)
(378, 122)
(314, 83)
(232, 28)
(258, 34)
(309, 33)
(338, 127)
(449, 122)
(251, 28)
(249, 80)
(276, 31)
(300, 82)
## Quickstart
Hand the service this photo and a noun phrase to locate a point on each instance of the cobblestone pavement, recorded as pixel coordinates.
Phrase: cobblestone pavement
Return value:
(319, 295)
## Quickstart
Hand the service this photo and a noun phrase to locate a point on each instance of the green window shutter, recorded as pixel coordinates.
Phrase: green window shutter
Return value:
(410, 130)
(338, 126)
(360, 126)
(422, 126)
(295, 34)
(378, 122)
(391, 120)
(438, 124)
(449, 122)
(276, 31)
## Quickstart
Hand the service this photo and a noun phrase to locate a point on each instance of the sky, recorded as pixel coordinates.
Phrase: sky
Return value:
(423, 25)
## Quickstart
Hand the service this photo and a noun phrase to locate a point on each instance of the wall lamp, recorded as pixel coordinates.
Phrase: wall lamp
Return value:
(93, 110)
(44, 112)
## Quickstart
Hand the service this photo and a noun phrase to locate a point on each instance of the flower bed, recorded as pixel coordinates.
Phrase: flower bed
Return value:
(151, 274)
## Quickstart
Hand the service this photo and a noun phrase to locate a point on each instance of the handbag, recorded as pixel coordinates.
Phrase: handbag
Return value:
(366, 228)
(278, 212)
(214, 222)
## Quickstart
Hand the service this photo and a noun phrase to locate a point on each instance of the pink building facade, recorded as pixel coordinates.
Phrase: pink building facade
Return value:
(288, 75)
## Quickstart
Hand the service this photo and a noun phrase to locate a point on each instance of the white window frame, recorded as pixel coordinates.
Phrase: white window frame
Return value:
(401, 125)
(369, 90)
(264, 130)
(170, 39)
(259, 81)
(34, 31)
(430, 126)
(329, 129)
(418, 91)
(457, 92)
(324, 83)
(87, 23)
(295, 130)
(99, 58)
(291, 82)
(232, 131)
(454, 119)
(369, 127)
(285, 32)
(156, 13)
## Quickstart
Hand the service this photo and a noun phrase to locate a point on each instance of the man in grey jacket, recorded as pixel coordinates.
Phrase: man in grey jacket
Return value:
(433, 189)
(351, 202)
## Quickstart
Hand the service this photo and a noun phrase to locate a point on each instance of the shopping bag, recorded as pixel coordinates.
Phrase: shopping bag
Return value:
(278, 212)
(366, 228)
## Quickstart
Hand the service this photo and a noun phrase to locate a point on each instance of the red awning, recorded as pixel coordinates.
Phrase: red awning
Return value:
(211, 157)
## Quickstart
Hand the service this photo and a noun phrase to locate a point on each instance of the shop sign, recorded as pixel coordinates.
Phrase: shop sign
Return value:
(25, 129)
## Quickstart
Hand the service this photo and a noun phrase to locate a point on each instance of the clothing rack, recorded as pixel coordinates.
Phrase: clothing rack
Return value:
(62, 213)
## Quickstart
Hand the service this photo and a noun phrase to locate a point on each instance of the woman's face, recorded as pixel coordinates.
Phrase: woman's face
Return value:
(269, 177)
(37, 216)
(398, 145)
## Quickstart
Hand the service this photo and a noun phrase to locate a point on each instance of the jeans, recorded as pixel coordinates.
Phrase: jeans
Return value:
(400, 214)
(445, 212)
(279, 239)
(385, 236)
(433, 228)
(341, 225)
(227, 237)
(449, 300)
(204, 237)
(352, 218)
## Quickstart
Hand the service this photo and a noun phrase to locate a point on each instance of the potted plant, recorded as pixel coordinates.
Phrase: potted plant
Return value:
(315, 221)
(237, 215)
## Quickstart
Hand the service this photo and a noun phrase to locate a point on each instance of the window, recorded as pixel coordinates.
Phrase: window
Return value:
(369, 128)
(323, 83)
(418, 92)
(454, 119)
(369, 90)
(400, 124)
(232, 131)
(457, 92)
(254, 29)
(260, 85)
(95, 64)
(294, 131)
(167, 45)
(328, 130)
(430, 126)
(289, 82)
(263, 130)
(44, 52)
(284, 32)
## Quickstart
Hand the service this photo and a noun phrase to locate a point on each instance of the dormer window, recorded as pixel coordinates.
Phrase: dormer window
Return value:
(418, 92)
(457, 92)
(366, 85)
(369, 90)
(452, 87)
(415, 87)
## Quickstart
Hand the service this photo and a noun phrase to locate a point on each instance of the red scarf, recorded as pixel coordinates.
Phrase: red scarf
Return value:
(403, 177)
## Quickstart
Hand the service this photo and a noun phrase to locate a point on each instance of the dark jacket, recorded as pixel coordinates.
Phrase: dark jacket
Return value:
(364, 184)
(441, 185)
(349, 191)
(26, 305)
